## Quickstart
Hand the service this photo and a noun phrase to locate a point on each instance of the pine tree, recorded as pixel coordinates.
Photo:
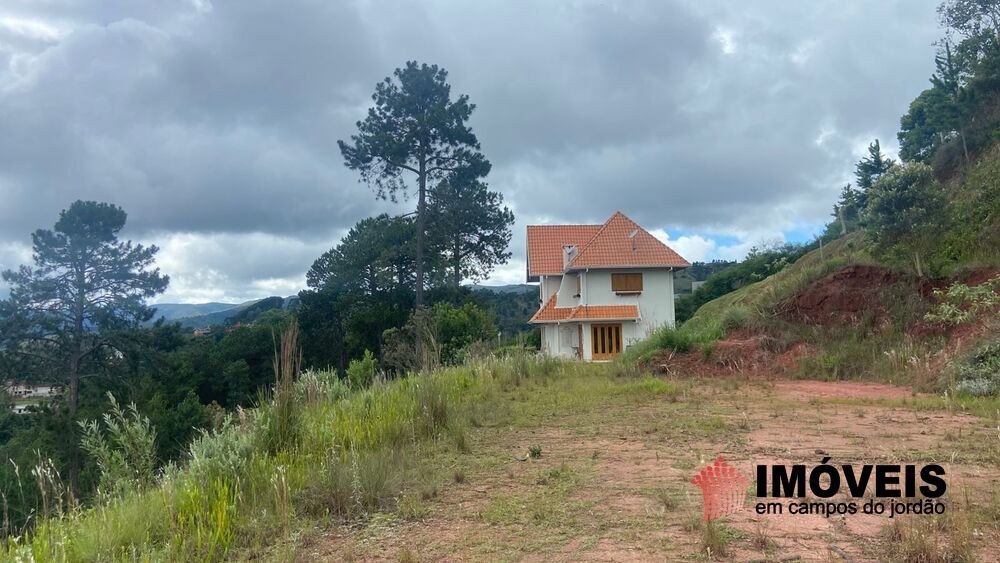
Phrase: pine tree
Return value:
(85, 287)
(414, 127)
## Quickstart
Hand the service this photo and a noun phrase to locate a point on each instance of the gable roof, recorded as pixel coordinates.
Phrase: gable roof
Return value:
(619, 243)
(545, 246)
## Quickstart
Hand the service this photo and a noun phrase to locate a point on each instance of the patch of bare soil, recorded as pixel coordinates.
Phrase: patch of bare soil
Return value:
(628, 496)
(841, 297)
(866, 435)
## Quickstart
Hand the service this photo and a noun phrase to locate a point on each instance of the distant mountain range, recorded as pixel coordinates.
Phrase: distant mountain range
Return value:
(195, 315)
(174, 311)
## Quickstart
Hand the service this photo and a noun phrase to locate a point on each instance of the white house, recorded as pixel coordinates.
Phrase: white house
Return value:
(602, 288)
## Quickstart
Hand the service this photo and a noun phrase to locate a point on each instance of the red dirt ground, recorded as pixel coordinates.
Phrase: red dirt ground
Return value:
(842, 297)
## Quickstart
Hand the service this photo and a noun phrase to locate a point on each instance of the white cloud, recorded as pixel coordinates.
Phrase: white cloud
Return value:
(693, 248)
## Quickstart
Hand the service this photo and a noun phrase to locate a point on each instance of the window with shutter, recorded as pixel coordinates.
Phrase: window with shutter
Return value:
(626, 283)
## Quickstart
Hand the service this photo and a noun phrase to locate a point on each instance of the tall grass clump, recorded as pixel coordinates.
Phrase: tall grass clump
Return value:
(281, 416)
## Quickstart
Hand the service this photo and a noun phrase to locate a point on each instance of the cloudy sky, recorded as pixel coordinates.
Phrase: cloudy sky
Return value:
(214, 123)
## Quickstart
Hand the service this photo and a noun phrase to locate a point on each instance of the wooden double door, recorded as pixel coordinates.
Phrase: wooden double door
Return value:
(605, 341)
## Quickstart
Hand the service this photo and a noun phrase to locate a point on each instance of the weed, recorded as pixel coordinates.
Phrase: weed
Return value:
(126, 454)
(666, 499)
(535, 452)
(281, 414)
(761, 537)
(931, 540)
(407, 555)
(412, 507)
(458, 476)
(459, 438)
(715, 539)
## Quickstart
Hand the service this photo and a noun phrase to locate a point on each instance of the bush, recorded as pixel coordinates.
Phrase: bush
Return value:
(447, 332)
(124, 448)
(361, 373)
(961, 303)
(980, 376)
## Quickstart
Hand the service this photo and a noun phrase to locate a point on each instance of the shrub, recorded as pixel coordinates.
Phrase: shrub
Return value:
(980, 376)
(221, 453)
(124, 448)
(961, 303)
(361, 373)
(317, 386)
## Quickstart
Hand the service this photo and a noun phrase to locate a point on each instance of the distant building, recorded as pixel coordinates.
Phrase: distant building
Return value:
(204, 331)
(28, 391)
(26, 395)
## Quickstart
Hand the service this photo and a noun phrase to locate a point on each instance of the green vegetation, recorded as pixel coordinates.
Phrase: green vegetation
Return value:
(316, 451)
(759, 264)
(415, 127)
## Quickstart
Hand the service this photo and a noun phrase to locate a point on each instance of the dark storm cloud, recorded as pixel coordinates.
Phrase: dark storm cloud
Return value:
(215, 123)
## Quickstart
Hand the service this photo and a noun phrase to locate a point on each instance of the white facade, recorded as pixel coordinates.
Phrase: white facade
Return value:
(655, 304)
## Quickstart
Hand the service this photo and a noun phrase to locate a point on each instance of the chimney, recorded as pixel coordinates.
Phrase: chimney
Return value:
(569, 253)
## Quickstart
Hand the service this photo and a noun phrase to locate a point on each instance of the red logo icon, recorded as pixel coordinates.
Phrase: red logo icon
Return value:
(723, 488)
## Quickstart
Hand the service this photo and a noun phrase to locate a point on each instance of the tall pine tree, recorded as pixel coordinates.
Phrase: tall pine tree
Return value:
(415, 127)
(85, 287)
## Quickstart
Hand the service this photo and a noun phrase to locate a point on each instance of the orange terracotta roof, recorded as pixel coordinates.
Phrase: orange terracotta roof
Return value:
(549, 313)
(599, 312)
(545, 246)
(621, 242)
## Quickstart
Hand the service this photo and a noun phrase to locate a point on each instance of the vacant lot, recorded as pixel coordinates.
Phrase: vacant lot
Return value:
(611, 480)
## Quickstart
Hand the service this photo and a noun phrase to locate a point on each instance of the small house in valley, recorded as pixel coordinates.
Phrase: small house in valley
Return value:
(602, 288)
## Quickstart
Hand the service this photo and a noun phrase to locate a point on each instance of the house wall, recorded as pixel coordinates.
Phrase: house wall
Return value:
(656, 302)
(560, 340)
(547, 286)
(656, 306)
(567, 291)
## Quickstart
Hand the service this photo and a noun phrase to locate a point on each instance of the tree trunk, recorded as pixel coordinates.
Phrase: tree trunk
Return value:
(72, 402)
(73, 396)
(419, 258)
(421, 216)
(456, 258)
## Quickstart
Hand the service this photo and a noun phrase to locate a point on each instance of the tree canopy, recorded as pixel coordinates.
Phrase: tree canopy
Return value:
(414, 126)
(86, 286)
(470, 226)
